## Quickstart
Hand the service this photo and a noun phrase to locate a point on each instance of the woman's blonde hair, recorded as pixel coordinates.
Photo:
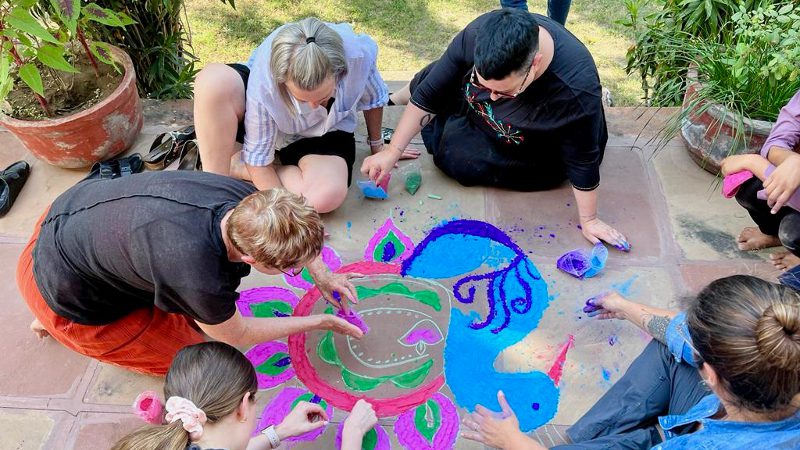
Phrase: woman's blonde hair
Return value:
(748, 330)
(307, 53)
(212, 375)
(276, 228)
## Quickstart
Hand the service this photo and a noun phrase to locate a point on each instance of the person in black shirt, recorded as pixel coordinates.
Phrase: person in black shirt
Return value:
(514, 102)
(126, 270)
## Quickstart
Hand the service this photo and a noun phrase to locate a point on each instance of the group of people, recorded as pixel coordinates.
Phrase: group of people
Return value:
(137, 271)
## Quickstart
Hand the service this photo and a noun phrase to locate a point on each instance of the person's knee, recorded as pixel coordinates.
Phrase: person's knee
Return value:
(327, 198)
(747, 195)
(217, 83)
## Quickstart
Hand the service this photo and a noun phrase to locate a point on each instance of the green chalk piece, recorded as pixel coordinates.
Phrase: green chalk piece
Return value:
(413, 180)
(435, 197)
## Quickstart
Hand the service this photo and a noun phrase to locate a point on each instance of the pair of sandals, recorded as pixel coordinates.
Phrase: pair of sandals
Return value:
(115, 168)
(168, 147)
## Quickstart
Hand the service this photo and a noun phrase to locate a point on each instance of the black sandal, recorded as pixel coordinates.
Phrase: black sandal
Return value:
(115, 168)
(190, 157)
(166, 147)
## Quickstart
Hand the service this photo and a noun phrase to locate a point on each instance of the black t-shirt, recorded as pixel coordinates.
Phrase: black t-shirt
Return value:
(109, 247)
(560, 111)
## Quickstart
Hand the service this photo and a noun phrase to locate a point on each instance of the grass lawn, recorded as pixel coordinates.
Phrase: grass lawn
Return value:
(410, 33)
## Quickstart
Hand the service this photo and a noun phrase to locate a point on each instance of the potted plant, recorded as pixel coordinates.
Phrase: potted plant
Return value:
(70, 100)
(736, 85)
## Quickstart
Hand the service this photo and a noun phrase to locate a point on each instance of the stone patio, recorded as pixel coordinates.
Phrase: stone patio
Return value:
(681, 229)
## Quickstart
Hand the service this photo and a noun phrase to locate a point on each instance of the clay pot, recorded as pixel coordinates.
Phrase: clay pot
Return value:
(710, 134)
(81, 139)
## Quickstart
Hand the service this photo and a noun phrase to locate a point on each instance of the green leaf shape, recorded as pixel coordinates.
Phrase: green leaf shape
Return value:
(327, 350)
(26, 3)
(53, 56)
(307, 398)
(5, 88)
(5, 67)
(31, 76)
(21, 19)
(97, 13)
(69, 11)
(414, 377)
(306, 275)
(426, 297)
(268, 367)
(370, 440)
(267, 309)
(359, 382)
(428, 419)
(103, 52)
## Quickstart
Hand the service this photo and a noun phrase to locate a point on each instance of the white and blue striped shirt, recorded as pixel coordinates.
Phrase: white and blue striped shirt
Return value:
(269, 125)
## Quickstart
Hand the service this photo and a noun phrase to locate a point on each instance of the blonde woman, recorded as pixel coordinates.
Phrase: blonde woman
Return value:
(296, 99)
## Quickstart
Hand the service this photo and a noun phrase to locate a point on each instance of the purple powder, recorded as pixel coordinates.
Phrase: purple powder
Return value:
(535, 406)
(552, 235)
(613, 339)
(354, 318)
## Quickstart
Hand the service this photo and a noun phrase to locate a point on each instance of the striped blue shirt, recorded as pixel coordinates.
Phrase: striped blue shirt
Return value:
(270, 126)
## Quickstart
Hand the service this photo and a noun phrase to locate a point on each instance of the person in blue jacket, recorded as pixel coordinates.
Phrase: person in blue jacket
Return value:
(724, 374)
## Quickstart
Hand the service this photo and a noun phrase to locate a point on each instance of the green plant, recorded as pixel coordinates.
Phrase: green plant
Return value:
(655, 55)
(35, 37)
(159, 45)
(751, 74)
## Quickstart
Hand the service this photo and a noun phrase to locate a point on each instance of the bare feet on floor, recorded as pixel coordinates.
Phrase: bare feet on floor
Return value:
(784, 260)
(38, 329)
(751, 238)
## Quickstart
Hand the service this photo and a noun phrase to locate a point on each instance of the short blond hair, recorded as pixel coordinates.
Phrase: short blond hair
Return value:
(276, 228)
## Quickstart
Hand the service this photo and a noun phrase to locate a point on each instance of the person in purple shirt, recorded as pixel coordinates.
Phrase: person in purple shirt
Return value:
(725, 374)
(772, 197)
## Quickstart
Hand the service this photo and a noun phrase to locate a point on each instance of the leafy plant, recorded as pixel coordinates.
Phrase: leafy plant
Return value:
(655, 55)
(33, 36)
(751, 74)
(159, 45)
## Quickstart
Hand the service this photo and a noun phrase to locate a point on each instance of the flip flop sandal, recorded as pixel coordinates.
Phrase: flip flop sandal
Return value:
(130, 165)
(166, 146)
(115, 168)
(190, 157)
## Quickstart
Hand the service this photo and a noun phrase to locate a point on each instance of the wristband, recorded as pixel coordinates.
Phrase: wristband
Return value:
(375, 143)
(272, 436)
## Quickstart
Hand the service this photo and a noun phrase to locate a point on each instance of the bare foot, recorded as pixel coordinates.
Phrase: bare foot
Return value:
(784, 260)
(38, 329)
(751, 238)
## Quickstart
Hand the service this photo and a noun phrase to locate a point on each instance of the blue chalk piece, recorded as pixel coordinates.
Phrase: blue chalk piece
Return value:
(372, 190)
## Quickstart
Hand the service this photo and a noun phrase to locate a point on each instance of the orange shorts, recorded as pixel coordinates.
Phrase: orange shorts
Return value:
(144, 341)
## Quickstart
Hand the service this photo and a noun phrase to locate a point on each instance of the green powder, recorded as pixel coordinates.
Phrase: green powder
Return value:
(413, 180)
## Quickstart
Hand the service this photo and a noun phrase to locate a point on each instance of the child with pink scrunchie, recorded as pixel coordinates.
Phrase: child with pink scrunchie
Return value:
(210, 390)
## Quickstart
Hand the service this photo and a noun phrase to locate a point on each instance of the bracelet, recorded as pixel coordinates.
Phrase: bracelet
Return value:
(375, 143)
(272, 436)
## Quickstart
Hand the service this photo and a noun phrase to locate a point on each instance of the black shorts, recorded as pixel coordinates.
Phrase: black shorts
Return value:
(334, 143)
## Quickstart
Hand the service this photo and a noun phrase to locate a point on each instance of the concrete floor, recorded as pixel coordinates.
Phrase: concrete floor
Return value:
(681, 229)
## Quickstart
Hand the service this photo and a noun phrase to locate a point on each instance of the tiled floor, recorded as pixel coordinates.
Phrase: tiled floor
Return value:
(681, 229)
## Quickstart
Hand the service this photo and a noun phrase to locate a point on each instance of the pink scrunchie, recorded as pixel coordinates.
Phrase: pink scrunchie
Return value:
(193, 418)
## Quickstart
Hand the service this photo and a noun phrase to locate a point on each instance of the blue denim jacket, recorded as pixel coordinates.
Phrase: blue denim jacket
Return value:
(719, 434)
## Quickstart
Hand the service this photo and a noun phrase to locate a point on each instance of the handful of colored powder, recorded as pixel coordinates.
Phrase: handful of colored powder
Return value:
(354, 318)
(582, 264)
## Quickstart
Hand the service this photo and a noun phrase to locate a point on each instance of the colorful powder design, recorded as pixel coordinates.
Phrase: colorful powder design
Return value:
(516, 296)
(272, 363)
(431, 426)
(267, 302)
(388, 245)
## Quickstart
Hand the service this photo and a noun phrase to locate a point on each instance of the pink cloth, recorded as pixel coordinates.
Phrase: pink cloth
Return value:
(193, 418)
(731, 183)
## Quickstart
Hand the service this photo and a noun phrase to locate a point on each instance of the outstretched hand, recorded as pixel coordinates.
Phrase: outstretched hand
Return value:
(497, 430)
(333, 285)
(608, 305)
(595, 230)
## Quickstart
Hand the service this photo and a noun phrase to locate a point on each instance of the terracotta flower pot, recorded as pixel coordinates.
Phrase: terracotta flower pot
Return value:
(710, 134)
(81, 139)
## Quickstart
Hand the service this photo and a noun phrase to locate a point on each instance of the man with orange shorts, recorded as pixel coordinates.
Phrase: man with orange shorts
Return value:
(130, 270)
